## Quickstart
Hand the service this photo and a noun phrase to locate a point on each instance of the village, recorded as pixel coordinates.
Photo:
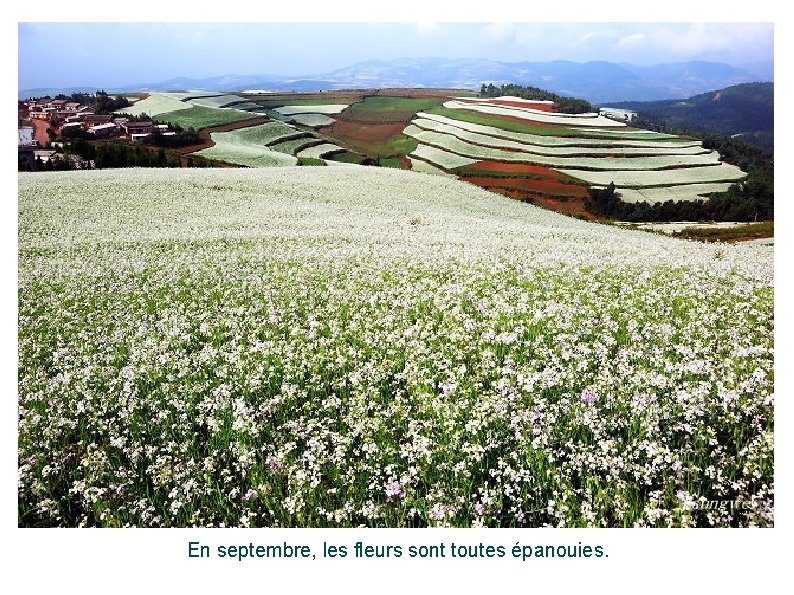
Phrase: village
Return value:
(45, 122)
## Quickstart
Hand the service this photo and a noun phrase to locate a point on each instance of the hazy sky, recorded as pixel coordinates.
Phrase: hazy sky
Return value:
(115, 54)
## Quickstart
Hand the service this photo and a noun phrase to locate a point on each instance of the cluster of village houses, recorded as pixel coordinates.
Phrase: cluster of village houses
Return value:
(61, 115)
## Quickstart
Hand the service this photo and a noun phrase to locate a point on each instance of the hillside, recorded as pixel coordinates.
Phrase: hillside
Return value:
(314, 347)
(747, 110)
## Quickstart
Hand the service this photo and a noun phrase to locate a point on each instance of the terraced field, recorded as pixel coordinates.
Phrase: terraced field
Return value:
(586, 148)
(248, 146)
(198, 117)
(155, 104)
(455, 135)
(294, 145)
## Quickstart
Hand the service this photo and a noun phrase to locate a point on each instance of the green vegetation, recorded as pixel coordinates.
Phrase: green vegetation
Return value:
(310, 161)
(399, 145)
(198, 117)
(381, 109)
(562, 103)
(348, 157)
(765, 229)
(390, 162)
(747, 109)
(124, 154)
(294, 145)
(751, 200)
(747, 201)
(182, 138)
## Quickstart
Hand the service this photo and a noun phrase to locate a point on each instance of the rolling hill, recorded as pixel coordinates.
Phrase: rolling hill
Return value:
(322, 347)
(747, 110)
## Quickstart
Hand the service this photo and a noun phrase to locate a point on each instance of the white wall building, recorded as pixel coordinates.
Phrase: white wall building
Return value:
(25, 136)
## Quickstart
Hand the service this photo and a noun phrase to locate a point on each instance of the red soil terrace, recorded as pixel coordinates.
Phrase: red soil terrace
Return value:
(517, 168)
(532, 185)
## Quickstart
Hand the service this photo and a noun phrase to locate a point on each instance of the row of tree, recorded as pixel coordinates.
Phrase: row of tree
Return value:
(123, 154)
(563, 103)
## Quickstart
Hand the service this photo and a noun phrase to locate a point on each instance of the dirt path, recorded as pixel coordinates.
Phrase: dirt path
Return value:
(40, 131)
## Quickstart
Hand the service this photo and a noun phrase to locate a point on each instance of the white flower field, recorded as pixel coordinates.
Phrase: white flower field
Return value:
(359, 346)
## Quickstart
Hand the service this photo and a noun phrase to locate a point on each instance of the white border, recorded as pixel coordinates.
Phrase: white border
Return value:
(131, 561)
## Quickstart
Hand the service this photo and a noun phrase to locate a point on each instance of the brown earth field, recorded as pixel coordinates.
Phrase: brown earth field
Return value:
(365, 138)
(516, 168)
(571, 206)
(543, 186)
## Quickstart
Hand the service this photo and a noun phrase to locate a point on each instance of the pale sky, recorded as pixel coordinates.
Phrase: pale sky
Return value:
(123, 54)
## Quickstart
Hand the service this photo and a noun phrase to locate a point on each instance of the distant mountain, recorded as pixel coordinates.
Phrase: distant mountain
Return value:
(598, 82)
(747, 110)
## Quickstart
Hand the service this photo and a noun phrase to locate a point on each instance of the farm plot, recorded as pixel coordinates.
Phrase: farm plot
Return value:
(315, 347)
(294, 145)
(511, 101)
(542, 108)
(580, 120)
(554, 141)
(454, 144)
(318, 151)
(525, 126)
(382, 109)
(197, 117)
(263, 134)
(372, 140)
(629, 133)
(246, 154)
(568, 150)
(291, 110)
(244, 106)
(155, 104)
(274, 100)
(445, 159)
(217, 101)
(503, 169)
(311, 120)
(528, 186)
(426, 168)
(639, 179)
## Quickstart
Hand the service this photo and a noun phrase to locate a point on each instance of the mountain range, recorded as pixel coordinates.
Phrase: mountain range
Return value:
(598, 82)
